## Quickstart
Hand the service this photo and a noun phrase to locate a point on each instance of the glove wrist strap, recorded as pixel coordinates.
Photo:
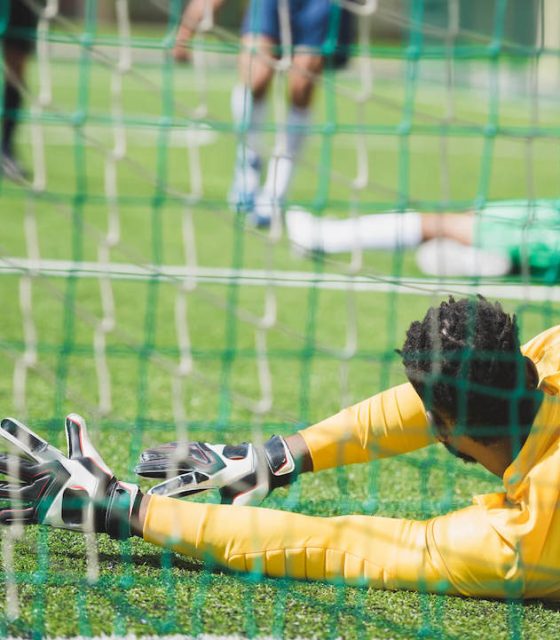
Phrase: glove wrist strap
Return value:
(120, 505)
(280, 462)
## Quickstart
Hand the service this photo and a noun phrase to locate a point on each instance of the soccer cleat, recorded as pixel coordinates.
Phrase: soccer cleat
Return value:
(265, 209)
(246, 180)
(446, 257)
(11, 169)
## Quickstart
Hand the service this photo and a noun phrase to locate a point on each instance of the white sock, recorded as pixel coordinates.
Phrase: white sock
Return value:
(297, 123)
(249, 115)
(288, 146)
(377, 231)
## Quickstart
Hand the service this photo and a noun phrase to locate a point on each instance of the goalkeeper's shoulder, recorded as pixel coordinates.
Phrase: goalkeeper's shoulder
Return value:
(547, 341)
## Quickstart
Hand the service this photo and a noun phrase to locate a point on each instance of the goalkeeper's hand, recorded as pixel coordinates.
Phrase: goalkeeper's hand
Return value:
(77, 492)
(243, 474)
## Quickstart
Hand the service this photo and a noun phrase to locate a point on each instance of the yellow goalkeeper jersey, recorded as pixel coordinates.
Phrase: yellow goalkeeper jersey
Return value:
(504, 545)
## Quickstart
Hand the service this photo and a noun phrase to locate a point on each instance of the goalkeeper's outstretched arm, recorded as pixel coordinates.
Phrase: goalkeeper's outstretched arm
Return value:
(459, 553)
(484, 550)
(389, 423)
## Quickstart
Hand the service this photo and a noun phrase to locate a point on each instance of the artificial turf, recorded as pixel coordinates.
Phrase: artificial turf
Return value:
(325, 348)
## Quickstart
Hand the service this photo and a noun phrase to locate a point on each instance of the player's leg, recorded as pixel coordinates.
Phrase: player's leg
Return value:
(448, 240)
(18, 43)
(14, 65)
(456, 226)
(391, 230)
(387, 231)
(248, 99)
(309, 24)
(452, 247)
(302, 78)
(15, 60)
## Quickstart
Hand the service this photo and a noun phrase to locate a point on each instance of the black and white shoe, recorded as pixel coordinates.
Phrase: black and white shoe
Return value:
(11, 169)
(246, 181)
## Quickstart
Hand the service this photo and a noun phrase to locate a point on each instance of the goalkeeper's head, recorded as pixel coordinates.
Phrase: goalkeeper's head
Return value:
(465, 362)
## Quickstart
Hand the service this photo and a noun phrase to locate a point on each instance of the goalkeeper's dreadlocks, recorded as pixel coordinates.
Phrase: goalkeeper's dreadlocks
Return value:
(464, 361)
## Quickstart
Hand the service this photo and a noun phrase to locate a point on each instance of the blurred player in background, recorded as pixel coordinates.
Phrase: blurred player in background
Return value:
(18, 42)
(500, 238)
(305, 28)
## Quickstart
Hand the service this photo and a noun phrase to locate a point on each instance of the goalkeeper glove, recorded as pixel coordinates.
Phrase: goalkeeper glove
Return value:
(244, 474)
(77, 492)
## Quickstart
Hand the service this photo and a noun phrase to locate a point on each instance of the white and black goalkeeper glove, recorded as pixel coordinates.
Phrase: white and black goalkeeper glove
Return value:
(77, 492)
(244, 474)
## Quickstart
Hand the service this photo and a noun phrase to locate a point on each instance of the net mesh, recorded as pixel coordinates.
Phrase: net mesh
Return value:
(133, 295)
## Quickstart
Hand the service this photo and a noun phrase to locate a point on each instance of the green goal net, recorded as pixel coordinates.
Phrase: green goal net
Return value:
(133, 294)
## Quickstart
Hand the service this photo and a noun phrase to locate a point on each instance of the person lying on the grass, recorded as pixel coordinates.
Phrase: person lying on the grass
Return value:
(499, 238)
(471, 386)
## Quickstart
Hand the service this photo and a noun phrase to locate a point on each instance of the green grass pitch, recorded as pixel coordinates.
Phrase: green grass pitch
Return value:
(141, 589)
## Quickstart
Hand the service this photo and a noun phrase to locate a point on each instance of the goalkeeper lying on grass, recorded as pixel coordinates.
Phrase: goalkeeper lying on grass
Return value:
(471, 386)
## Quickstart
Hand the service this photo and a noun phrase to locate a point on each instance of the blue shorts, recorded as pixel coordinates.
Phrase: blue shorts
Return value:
(312, 22)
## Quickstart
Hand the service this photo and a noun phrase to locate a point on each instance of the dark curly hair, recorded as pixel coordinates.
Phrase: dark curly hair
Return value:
(464, 361)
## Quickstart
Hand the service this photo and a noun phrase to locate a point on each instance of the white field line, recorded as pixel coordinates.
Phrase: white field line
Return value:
(283, 279)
